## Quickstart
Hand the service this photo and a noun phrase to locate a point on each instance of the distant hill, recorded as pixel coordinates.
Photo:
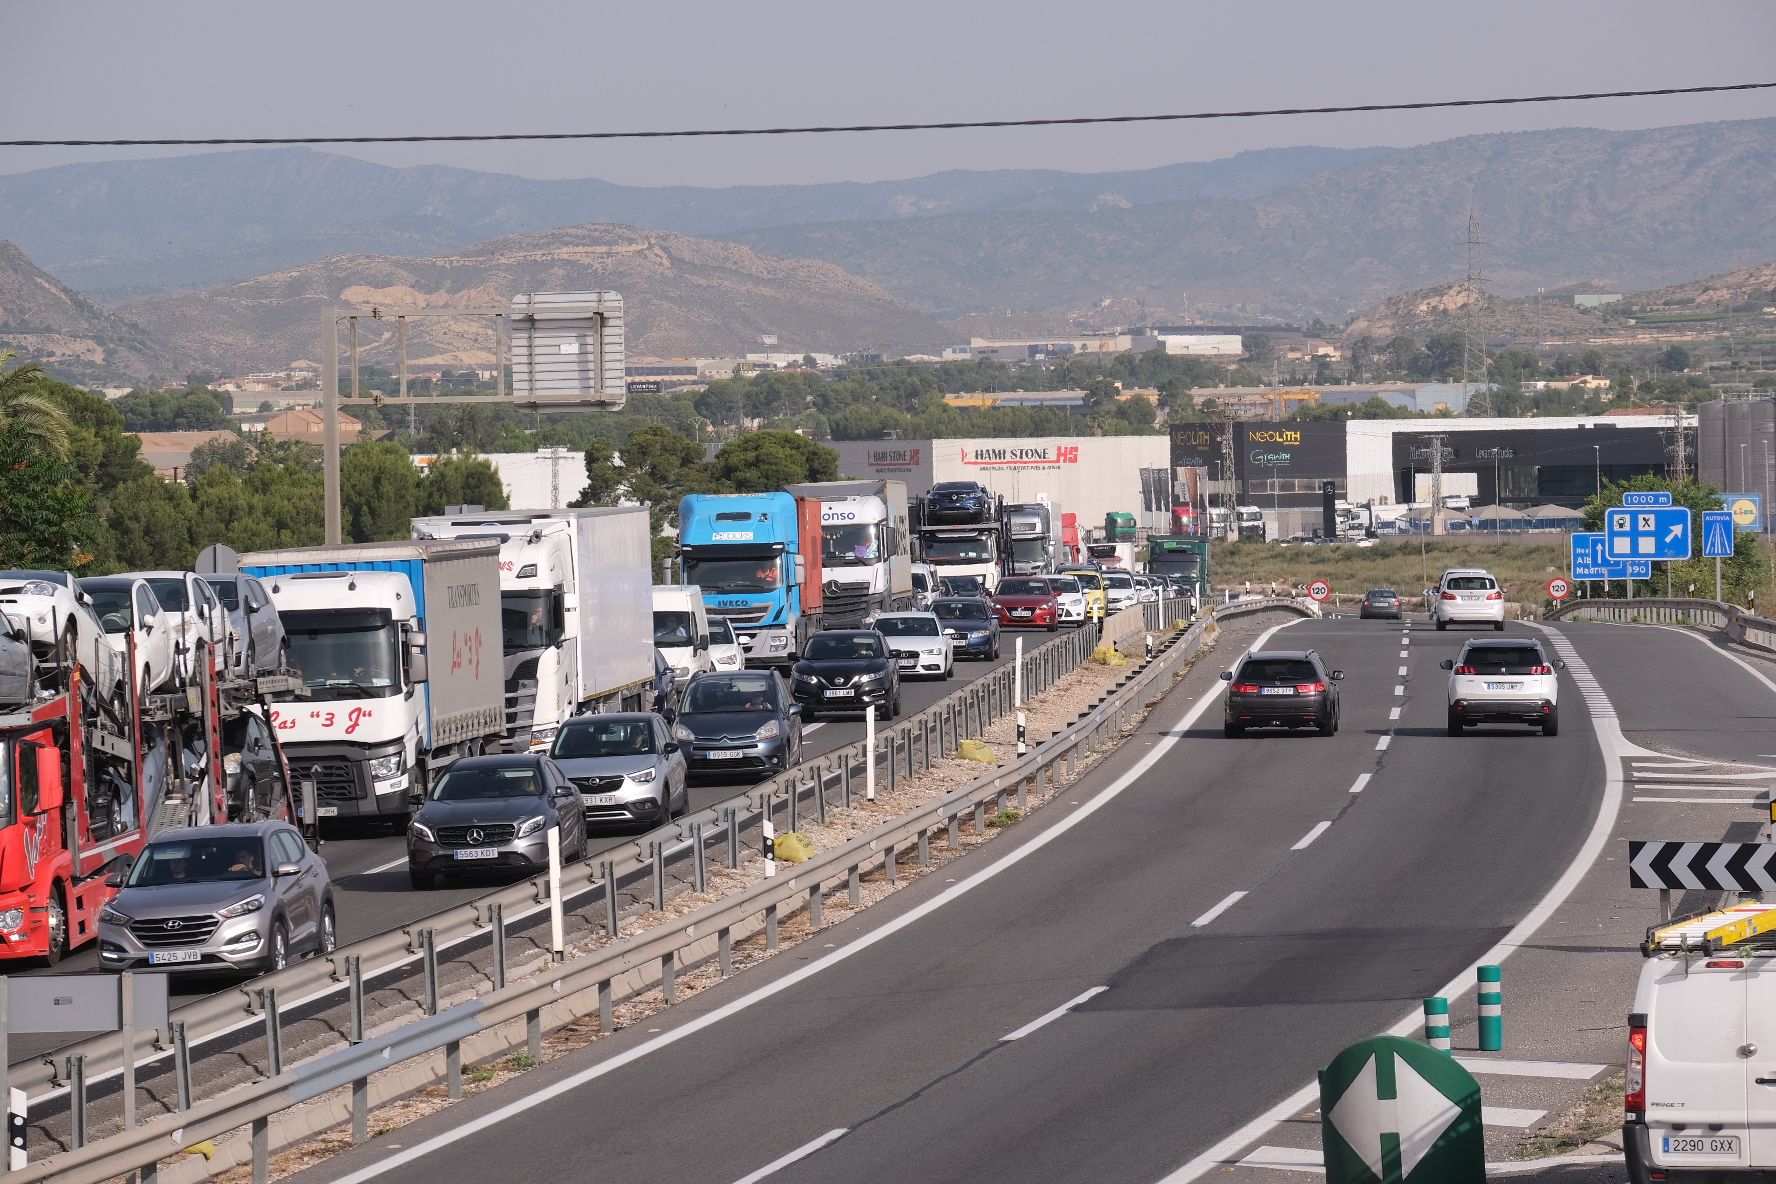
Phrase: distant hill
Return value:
(682, 296)
(1745, 288)
(139, 227)
(1444, 308)
(44, 321)
(1646, 207)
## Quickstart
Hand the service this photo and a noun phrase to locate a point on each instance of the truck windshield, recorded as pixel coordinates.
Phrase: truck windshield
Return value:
(942, 549)
(850, 542)
(528, 620)
(344, 655)
(1029, 550)
(758, 574)
(1175, 563)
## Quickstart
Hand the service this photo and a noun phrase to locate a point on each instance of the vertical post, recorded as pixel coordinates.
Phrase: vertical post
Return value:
(1664, 904)
(607, 1020)
(428, 947)
(77, 1098)
(770, 844)
(658, 851)
(1717, 578)
(1436, 1013)
(733, 837)
(699, 859)
(557, 937)
(1017, 678)
(128, 989)
(607, 871)
(261, 1143)
(181, 1065)
(330, 427)
(1022, 734)
(1492, 1010)
(496, 915)
(869, 743)
(274, 1037)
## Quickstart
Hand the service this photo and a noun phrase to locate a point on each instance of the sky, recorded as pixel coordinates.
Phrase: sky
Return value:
(125, 69)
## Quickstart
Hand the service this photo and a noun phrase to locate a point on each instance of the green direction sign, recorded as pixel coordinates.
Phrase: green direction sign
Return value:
(1395, 1111)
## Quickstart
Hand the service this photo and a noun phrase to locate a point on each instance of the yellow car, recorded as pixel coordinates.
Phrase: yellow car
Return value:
(1097, 597)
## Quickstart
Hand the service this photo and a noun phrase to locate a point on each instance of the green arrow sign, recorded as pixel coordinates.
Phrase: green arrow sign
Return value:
(1394, 1111)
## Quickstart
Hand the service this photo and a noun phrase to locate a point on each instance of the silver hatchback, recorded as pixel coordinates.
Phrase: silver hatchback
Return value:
(237, 897)
(628, 770)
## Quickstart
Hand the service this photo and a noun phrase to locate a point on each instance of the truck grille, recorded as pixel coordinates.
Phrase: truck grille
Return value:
(174, 931)
(738, 617)
(491, 834)
(845, 608)
(598, 784)
(333, 779)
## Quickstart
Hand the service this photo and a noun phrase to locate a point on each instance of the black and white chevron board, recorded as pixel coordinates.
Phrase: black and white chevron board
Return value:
(1721, 867)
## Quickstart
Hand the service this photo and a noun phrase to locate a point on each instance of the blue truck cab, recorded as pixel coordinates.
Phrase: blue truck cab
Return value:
(757, 558)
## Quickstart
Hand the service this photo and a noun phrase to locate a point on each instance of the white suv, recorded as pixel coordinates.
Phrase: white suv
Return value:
(1507, 681)
(1469, 596)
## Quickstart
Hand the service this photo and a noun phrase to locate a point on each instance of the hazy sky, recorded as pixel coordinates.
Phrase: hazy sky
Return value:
(123, 68)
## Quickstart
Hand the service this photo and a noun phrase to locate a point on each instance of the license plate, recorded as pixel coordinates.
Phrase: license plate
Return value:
(1020, 612)
(1277, 691)
(173, 957)
(1701, 1144)
(847, 694)
(326, 811)
(598, 799)
(478, 853)
(725, 754)
(1504, 686)
(908, 662)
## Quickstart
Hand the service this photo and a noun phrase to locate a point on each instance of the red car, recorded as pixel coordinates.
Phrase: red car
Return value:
(1026, 604)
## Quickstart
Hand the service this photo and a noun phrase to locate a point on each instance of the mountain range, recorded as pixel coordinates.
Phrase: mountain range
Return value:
(43, 320)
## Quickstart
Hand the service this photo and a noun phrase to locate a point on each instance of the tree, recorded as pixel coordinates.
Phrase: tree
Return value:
(467, 480)
(266, 407)
(759, 462)
(195, 409)
(152, 526)
(658, 466)
(233, 453)
(379, 491)
(1674, 358)
(27, 412)
(45, 510)
(1256, 346)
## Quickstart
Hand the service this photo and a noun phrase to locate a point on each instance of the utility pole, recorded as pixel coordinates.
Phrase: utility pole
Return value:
(1438, 454)
(1679, 470)
(1228, 484)
(1473, 353)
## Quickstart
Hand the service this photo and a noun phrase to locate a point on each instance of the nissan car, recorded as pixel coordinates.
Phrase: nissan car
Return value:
(846, 670)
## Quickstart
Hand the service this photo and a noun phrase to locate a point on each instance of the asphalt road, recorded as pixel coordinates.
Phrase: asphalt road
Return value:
(1209, 1008)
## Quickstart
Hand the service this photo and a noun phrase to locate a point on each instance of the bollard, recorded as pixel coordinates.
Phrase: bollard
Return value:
(1492, 1010)
(869, 747)
(1022, 734)
(1436, 1013)
(699, 860)
(770, 849)
(607, 871)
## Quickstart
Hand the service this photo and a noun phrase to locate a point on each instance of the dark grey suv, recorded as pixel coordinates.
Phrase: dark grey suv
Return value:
(1282, 689)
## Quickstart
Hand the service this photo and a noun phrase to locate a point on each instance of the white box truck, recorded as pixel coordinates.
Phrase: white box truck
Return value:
(575, 613)
(397, 645)
(866, 548)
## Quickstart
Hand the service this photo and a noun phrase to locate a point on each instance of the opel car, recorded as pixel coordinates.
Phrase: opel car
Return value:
(846, 670)
(1029, 602)
(1504, 681)
(1282, 689)
(1469, 596)
(627, 768)
(919, 643)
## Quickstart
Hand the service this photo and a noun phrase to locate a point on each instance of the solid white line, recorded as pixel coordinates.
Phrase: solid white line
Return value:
(504, 1114)
(1394, 714)
(1381, 744)
(1565, 1070)
(1231, 900)
(1306, 839)
(1647, 775)
(1510, 1116)
(1674, 786)
(813, 727)
(383, 867)
(1285, 1159)
(802, 1152)
(1361, 783)
(1706, 801)
(1052, 1016)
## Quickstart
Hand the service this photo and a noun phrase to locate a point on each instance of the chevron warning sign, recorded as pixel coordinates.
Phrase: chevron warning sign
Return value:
(1720, 867)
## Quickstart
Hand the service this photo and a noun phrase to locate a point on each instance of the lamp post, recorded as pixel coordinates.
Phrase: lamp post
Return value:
(1498, 501)
(1766, 522)
(1597, 463)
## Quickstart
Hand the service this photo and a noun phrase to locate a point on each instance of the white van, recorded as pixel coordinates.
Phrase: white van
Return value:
(924, 584)
(681, 630)
(1700, 1095)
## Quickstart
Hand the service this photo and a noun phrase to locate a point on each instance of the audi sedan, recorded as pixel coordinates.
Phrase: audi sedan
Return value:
(1282, 689)
(971, 625)
(1030, 602)
(919, 643)
(1381, 603)
(846, 670)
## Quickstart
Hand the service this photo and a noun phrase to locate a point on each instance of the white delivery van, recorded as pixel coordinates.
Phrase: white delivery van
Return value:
(681, 630)
(1700, 1092)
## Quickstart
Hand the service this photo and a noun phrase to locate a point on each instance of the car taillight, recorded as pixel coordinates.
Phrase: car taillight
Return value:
(1466, 670)
(1246, 688)
(1495, 594)
(1634, 1080)
(1541, 670)
(1450, 596)
(1725, 964)
(1310, 688)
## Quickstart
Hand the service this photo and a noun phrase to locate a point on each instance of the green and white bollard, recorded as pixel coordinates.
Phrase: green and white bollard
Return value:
(1492, 1010)
(1437, 1023)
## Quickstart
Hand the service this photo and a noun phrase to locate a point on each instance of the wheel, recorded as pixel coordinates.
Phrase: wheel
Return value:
(950, 670)
(1551, 723)
(58, 925)
(1498, 626)
(993, 655)
(420, 881)
(1329, 727)
(1054, 627)
(1455, 723)
(279, 955)
(894, 705)
(1232, 731)
(328, 939)
(1442, 625)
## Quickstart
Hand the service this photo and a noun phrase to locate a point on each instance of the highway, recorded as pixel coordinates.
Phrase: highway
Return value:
(1223, 914)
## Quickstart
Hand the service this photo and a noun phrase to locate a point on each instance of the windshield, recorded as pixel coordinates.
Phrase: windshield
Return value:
(228, 592)
(672, 629)
(344, 655)
(621, 737)
(759, 574)
(721, 633)
(199, 861)
(1089, 580)
(738, 693)
(921, 582)
(1118, 579)
(495, 784)
(850, 542)
(1251, 515)
(1504, 659)
(527, 620)
(32, 575)
(1180, 563)
(1023, 588)
(961, 610)
(845, 648)
(1065, 586)
(908, 627)
(1278, 672)
(966, 549)
(1029, 549)
(112, 607)
(1469, 584)
(170, 591)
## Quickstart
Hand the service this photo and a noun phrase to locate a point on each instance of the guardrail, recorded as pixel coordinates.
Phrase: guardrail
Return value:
(1739, 626)
(344, 1085)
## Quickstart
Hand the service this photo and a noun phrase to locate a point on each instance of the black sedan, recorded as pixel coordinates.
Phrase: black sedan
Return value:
(958, 503)
(1282, 689)
(846, 670)
(738, 723)
(1383, 603)
(970, 623)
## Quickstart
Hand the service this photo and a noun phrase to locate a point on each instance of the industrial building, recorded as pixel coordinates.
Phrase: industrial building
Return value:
(1736, 447)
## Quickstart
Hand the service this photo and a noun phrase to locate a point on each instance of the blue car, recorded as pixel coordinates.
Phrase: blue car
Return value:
(970, 623)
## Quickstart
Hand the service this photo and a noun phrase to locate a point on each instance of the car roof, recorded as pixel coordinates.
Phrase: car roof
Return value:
(503, 760)
(221, 830)
(1284, 655)
(1503, 643)
(980, 600)
(901, 613)
(108, 581)
(845, 633)
(609, 717)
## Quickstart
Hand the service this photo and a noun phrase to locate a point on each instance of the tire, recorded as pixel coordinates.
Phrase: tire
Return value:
(1455, 723)
(894, 705)
(1054, 627)
(1232, 731)
(278, 956)
(421, 881)
(993, 654)
(58, 925)
(1498, 626)
(1442, 625)
(327, 939)
(1330, 727)
(1551, 723)
(950, 670)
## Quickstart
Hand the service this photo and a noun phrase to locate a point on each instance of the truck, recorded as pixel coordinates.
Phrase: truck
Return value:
(866, 548)
(757, 557)
(575, 613)
(1251, 522)
(1034, 542)
(93, 777)
(1119, 527)
(1185, 519)
(1111, 556)
(364, 621)
(1183, 558)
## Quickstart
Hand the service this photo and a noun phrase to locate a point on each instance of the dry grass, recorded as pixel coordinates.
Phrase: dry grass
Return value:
(1524, 566)
(1595, 1116)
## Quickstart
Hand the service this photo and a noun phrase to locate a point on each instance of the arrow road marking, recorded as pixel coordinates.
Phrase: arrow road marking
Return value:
(1417, 1115)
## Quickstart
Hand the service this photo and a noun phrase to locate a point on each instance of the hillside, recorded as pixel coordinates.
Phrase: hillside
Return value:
(45, 321)
(682, 296)
(1444, 308)
(1644, 207)
(141, 227)
(1748, 287)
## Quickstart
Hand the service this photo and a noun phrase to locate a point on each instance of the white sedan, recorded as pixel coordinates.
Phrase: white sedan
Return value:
(192, 610)
(919, 642)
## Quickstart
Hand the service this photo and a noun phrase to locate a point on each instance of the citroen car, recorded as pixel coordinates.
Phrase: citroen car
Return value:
(846, 670)
(628, 769)
(740, 723)
(919, 643)
(1281, 689)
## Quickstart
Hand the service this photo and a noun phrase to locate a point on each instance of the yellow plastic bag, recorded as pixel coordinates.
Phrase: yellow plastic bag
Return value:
(792, 847)
(975, 750)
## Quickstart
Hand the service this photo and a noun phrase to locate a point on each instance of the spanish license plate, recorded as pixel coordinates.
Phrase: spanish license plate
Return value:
(598, 799)
(1701, 1144)
(173, 957)
(478, 853)
(845, 694)
(725, 754)
(1504, 686)
(1020, 612)
(908, 663)
(326, 811)
(1277, 691)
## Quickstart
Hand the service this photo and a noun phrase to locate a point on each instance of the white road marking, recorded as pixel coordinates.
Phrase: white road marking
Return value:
(1306, 839)
(383, 867)
(1402, 672)
(1381, 744)
(1285, 1159)
(1399, 689)
(1052, 1016)
(1362, 783)
(802, 1152)
(1394, 714)
(1402, 653)
(503, 1115)
(1565, 1070)
(814, 727)
(1231, 900)
(1510, 1116)
(1705, 801)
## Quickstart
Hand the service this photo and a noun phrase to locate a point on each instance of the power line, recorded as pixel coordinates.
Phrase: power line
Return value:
(947, 125)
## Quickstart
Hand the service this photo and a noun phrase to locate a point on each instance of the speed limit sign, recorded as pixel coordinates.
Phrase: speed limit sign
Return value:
(1319, 590)
(1559, 588)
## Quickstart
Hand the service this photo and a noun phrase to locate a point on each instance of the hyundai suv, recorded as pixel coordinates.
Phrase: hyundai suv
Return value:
(1282, 689)
(1509, 681)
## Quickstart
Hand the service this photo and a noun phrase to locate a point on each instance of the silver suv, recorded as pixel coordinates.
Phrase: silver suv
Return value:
(237, 897)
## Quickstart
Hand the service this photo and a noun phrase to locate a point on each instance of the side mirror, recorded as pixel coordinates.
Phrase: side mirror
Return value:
(1447, 664)
(1227, 676)
(1338, 676)
(415, 798)
(115, 880)
(148, 623)
(670, 747)
(795, 710)
(284, 871)
(702, 641)
(418, 669)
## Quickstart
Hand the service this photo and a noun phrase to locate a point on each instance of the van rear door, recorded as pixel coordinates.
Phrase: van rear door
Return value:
(1696, 1071)
(1760, 1064)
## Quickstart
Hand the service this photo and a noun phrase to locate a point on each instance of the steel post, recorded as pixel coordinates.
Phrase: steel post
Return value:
(699, 860)
(497, 915)
(869, 744)
(657, 858)
(428, 945)
(181, 1064)
(607, 872)
(770, 927)
(354, 987)
(77, 1097)
(274, 1035)
(330, 429)
(607, 1022)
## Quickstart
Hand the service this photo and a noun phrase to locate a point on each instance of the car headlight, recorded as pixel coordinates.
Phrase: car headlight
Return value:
(251, 904)
(807, 678)
(979, 635)
(872, 675)
(933, 651)
(231, 764)
(542, 737)
(419, 830)
(531, 826)
(384, 767)
(644, 776)
(682, 733)
(768, 731)
(38, 588)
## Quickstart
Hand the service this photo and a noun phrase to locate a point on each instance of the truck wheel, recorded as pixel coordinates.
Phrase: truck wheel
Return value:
(58, 925)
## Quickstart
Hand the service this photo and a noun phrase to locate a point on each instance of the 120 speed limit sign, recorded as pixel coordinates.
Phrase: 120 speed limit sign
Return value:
(1559, 588)
(1319, 590)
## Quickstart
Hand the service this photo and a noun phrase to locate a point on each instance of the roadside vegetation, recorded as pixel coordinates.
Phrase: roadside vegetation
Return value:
(1524, 567)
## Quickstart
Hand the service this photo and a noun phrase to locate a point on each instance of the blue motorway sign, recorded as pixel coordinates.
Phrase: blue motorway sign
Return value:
(1656, 497)
(1591, 561)
(1656, 532)
(1747, 510)
(1717, 534)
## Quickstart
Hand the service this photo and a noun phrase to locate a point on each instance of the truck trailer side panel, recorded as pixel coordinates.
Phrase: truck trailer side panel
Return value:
(615, 598)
